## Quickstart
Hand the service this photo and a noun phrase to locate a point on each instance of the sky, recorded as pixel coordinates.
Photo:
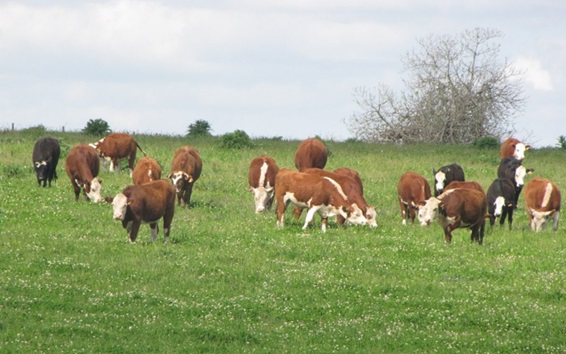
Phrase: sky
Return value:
(285, 68)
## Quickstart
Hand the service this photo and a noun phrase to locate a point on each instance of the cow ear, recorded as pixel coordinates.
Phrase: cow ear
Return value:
(100, 180)
(129, 201)
(530, 170)
(527, 147)
(190, 179)
(510, 205)
(109, 200)
(170, 175)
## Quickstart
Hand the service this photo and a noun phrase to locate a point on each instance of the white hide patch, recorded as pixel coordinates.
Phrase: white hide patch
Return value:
(429, 211)
(262, 173)
(119, 206)
(520, 174)
(499, 204)
(338, 187)
(519, 153)
(440, 177)
(547, 195)
(95, 188)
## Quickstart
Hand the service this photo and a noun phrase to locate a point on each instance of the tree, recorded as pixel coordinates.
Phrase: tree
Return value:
(96, 127)
(457, 91)
(199, 128)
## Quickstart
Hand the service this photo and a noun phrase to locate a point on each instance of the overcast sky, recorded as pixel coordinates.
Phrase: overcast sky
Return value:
(271, 68)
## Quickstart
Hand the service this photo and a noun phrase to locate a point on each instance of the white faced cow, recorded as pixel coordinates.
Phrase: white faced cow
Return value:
(513, 170)
(82, 166)
(261, 178)
(412, 191)
(445, 175)
(513, 148)
(543, 201)
(185, 170)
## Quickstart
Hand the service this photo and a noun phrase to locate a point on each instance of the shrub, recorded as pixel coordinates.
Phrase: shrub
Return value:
(96, 127)
(237, 140)
(562, 142)
(487, 142)
(36, 131)
(199, 128)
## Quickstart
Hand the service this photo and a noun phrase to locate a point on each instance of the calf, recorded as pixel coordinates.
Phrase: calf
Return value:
(118, 146)
(320, 195)
(412, 190)
(513, 148)
(513, 170)
(353, 191)
(45, 158)
(261, 178)
(445, 175)
(543, 201)
(185, 170)
(311, 153)
(146, 170)
(501, 201)
(456, 208)
(146, 203)
(82, 166)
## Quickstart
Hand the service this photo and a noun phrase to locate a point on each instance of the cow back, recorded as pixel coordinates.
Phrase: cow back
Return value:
(542, 194)
(307, 187)
(187, 159)
(45, 149)
(346, 171)
(465, 184)
(82, 163)
(117, 145)
(469, 204)
(311, 153)
(501, 187)
(413, 187)
(150, 201)
(147, 170)
(255, 172)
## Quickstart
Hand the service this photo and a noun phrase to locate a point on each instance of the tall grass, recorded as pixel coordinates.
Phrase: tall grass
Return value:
(230, 281)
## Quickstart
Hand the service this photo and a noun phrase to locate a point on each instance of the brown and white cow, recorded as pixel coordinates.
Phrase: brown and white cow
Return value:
(146, 170)
(464, 184)
(353, 190)
(346, 171)
(543, 201)
(116, 147)
(82, 166)
(456, 208)
(185, 170)
(146, 203)
(320, 195)
(412, 190)
(513, 148)
(261, 178)
(311, 153)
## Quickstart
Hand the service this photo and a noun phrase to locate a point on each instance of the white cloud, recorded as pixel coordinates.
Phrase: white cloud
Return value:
(534, 74)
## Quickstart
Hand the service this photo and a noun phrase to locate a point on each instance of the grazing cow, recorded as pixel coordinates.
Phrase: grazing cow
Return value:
(445, 175)
(185, 170)
(82, 166)
(45, 158)
(543, 201)
(513, 170)
(311, 153)
(345, 171)
(501, 201)
(353, 190)
(146, 203)
(146, 170)
(412, 191)
(513, 148)
(118, 146)
(456, 208)
(464, 184)
(320, 195)
(261, 178)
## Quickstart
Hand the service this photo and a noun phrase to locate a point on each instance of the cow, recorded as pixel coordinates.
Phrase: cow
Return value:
(118, 146)
(311, 153)
(185, 170)
(542, 199)
(412, 190)
(346, 171)
(146, 203)
(320, 195)
(45, 157)
(513, 170)
(456, 208)
(513, 148)
(82, 166)
(501, 201)
(146, 170)
(464, 184)
(353, 190)
(445, 175)
(261, 178)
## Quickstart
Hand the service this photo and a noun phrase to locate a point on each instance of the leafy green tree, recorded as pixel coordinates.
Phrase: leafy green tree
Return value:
(236, 140)
(97, 127)
(199, 128)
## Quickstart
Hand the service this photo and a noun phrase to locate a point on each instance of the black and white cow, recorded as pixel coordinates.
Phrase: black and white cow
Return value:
(445, 175)
(513, 170)
(45, 157)
(501, 201)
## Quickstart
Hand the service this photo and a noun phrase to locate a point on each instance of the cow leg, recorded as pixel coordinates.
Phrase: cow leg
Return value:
(297, 211)
(324, 222)
(131, 163)
(449, 228)
(281, 206)
(112, 165)
(134, 231)
(404, 211)
(310, 216)
(167, 219)
(76, 189)
(510, 217)
(412, 214)
(556, 218)
(154, 231)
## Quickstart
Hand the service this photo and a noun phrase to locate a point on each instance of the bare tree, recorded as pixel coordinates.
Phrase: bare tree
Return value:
(458, 90)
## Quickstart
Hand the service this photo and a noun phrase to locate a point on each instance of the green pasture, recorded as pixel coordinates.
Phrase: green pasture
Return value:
(230, 281)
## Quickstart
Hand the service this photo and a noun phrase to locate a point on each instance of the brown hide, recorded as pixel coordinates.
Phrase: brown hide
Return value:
(254, 172)
(345, 171)
(412, 190)
(507, 148)
(118, 146)
(186, 159)
(534, 195)
(465, 184)
(468, 208)
(82, 165)
(311, 153)
(146, 170)
(147, 204)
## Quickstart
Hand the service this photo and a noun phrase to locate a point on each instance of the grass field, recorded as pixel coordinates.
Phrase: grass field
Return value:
(230, 281)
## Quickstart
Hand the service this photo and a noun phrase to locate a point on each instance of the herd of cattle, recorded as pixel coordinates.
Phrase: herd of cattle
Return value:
(457, 203)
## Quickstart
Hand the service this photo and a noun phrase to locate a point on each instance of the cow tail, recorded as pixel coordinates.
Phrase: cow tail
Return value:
(139, 147)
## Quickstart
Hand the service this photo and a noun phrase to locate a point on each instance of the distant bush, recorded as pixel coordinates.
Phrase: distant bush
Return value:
(562, 142)
(36, 131)
(199, 128)
(487, 142)
(97, 127)
(236, 140)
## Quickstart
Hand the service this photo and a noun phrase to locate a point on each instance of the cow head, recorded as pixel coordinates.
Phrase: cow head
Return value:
(499, 204)
(263, 197)
(540, 218)
(439, 180)
(93, 189)
(371, 216)
(119, 205)
(520, 174)
(353, 214)
(41, 169)
(520, 149)
(180, 180)
(429, 210)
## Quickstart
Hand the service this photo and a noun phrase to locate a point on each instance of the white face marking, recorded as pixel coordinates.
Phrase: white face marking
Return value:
(429, 211)
(338, 187)
(547, 195)
(262, 173)
(499, 204)
(357, 216)
(175, 179)
(520, 174)
(262, 198)
(119, 206)
(519, 153)
(440, 177)
(540, 218)
(371, 217)
(95, 188)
